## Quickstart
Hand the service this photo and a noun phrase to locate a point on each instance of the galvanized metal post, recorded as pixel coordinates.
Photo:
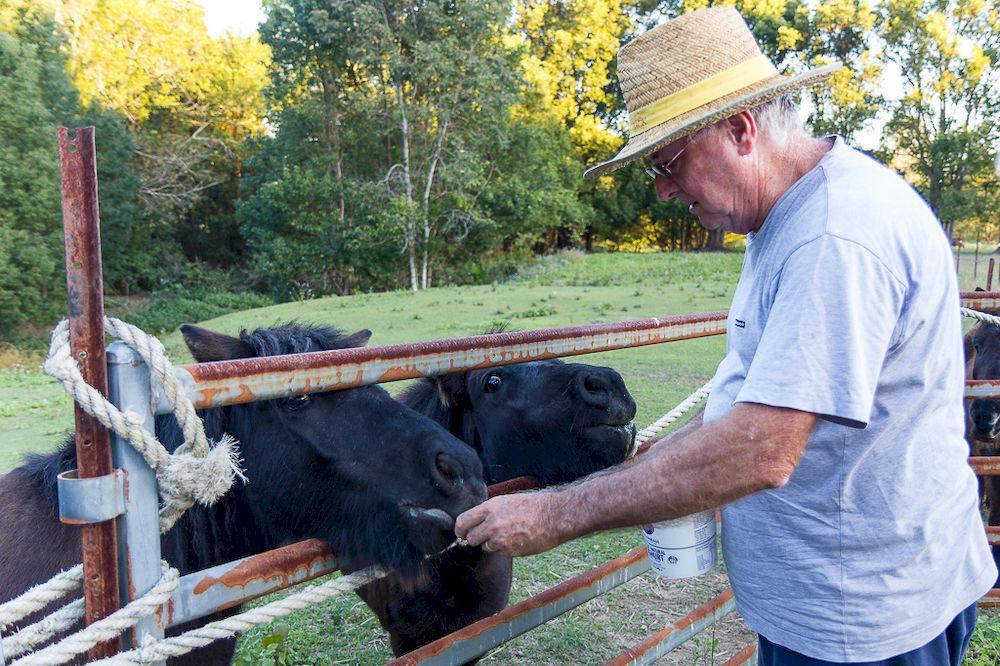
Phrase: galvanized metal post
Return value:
(138, 529)
(85, 286)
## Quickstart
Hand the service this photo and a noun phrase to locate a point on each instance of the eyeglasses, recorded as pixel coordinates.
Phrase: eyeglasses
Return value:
(653, 170)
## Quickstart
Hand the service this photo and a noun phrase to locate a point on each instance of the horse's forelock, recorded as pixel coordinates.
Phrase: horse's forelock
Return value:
(293, 338)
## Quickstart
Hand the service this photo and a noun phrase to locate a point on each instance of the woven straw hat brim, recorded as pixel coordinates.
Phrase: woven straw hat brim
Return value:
(656, 137)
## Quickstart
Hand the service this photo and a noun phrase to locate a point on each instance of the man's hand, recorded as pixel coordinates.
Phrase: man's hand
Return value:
(519, 524)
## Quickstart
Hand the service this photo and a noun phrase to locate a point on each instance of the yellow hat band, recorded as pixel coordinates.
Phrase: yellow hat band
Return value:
(698, 94)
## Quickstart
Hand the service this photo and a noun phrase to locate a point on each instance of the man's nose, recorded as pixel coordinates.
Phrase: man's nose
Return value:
(666, 188)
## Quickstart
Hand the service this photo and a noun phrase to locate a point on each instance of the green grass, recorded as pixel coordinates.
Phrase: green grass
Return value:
(570, 288)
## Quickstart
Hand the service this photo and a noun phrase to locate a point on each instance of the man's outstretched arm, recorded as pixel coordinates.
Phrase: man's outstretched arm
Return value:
(754, 447)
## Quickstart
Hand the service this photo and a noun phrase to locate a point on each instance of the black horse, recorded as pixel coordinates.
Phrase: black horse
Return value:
(375, 480)
(982, 418)
(548, 419)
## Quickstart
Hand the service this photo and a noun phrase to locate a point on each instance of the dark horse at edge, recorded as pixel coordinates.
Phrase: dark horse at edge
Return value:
(551, 420)
(378, 482)
(982, 416)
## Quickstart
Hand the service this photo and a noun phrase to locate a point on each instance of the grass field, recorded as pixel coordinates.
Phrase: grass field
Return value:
(567, 289)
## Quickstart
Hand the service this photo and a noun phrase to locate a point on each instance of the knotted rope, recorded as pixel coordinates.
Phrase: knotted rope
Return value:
(195, 472)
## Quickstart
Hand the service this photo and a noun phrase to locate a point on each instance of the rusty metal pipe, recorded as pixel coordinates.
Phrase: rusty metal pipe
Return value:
(991, 599)
(245, 380)
(984, 301)
(985, 465)
(85, 293)
(747, 655)
(982, 388)
(482, 636)
(226, 585)
(658, 644)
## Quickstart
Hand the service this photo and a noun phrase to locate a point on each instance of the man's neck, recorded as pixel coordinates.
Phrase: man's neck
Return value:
(784, 166)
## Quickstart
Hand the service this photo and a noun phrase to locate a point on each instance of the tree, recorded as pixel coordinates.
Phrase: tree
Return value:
(30, 242)
(189, 102)
(43, 98)
(943, 132)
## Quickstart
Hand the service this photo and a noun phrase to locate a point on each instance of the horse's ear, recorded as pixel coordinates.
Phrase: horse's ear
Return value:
(450, 388)
(206, 345)
(357, 339)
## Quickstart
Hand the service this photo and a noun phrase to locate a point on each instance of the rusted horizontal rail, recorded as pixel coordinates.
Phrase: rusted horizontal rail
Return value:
(484, 635)
(748, 655)
(982, 388)
(991, 599)
(245, 380)
(226, 585)
(985, 465)
(984, 301)
(658, 644)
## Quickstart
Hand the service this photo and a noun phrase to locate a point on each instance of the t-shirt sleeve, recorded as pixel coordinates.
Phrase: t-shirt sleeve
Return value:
(833, 315)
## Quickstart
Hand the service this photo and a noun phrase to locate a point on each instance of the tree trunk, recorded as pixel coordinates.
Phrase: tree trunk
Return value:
(411, 231)
(426, 204)
(332, 131)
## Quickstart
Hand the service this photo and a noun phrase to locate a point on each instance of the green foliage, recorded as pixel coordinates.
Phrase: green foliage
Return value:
(170, 308)
(944, 131)
(984, 649)
(31, 285)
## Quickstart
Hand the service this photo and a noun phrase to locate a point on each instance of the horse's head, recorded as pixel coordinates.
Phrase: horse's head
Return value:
(548, 419)
(983, 352)
(377, 481)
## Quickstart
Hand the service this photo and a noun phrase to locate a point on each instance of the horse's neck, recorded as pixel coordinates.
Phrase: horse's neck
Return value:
(206, 536)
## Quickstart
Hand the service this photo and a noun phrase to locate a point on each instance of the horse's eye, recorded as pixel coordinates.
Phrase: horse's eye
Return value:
(295, 402)
(493, 382)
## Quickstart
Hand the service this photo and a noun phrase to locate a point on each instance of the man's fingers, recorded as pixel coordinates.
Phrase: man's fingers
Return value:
(468, 520)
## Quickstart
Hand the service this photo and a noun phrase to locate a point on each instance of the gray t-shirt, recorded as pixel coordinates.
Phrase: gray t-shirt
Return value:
(847, 307)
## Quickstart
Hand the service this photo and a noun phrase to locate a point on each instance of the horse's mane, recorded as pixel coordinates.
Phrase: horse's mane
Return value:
(295, 338)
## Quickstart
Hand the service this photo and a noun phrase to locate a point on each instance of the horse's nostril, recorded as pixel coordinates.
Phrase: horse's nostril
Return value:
(448, 470)
(594, 388)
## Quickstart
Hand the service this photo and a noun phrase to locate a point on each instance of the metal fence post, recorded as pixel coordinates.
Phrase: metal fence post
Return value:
(85, 291)
(138, 529)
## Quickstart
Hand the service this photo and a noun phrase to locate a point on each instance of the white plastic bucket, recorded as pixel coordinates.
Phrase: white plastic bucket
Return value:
(684, 547)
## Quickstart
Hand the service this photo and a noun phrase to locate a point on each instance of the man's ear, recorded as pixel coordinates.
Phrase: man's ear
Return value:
(742, 130)
(206, 345)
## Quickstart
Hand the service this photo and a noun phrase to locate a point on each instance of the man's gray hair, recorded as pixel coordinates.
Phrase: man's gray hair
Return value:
(778, 118)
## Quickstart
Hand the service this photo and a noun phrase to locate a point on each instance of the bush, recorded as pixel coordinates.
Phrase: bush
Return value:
(169, 309)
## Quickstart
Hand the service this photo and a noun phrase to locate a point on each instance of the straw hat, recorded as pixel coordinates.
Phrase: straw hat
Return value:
(690, 72)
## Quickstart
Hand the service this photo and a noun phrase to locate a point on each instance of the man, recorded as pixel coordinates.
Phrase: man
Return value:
(833, 437)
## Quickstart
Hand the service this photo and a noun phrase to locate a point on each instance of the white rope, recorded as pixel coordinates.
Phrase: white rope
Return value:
(195, 471)
(156, 650)
(41, 595)
(981, 316)
(108, 627)
(27, 638)
(651, 430)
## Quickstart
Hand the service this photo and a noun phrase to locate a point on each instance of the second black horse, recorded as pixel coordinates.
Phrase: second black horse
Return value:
(551, 420)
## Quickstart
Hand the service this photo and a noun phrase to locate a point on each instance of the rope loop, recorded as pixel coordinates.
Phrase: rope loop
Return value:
(196, 472)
